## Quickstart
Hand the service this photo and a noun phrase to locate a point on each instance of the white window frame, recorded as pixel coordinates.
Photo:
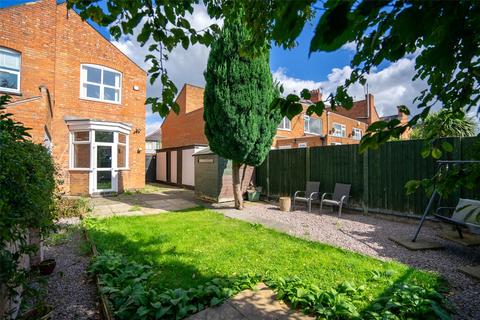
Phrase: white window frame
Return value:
(343, 130)
(83, 81)
(18, 73)
(306, 125)
(287, 146)
(335, 144)
(118, 143)
(72, 150)
(357, 134)
(283, 124)
(303, 145)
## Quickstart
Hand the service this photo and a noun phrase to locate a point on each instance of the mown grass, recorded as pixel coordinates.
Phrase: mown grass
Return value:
(191, 247)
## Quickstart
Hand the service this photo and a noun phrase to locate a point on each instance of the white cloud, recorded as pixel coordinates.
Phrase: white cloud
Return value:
(183, 66)
(391, 86)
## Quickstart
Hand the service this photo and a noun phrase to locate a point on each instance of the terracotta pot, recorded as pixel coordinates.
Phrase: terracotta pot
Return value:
(46, 267)
(285, 203)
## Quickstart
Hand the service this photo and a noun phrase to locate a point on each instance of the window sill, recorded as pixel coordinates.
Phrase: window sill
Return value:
(80, 169)
(313, 134)
(284, 129)
(17, 94)
(101, 101)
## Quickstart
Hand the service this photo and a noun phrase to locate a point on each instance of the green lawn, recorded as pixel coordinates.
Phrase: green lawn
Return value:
(192, 247)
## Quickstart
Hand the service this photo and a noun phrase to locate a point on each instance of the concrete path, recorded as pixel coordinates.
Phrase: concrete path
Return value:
(157, 200)
(251, 305)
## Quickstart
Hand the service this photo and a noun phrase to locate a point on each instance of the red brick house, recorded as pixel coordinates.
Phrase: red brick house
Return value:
(79, 94)
(333, 127)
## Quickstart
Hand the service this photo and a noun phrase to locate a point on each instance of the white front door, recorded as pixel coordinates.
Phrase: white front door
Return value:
(104, 173)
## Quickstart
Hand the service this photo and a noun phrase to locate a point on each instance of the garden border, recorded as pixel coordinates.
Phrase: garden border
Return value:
(105, 304)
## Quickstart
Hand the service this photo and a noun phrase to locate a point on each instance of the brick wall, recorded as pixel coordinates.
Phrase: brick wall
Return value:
(187, 127)
(53, 43)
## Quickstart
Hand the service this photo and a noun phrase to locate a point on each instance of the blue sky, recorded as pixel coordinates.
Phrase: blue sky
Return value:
(391, 84)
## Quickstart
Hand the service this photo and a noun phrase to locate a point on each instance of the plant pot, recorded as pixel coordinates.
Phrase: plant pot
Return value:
(285, 203)
(46, 267)
(253, 195)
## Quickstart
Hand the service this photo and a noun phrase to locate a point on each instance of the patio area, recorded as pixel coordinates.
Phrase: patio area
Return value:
(366, 234)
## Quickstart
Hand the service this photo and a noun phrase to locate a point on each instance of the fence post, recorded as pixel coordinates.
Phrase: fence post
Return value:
(268, 175)
(307, 164)
(365, 182)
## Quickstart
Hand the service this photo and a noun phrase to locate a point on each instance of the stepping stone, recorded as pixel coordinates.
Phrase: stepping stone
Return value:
(417, 245)
(258, 304)
(468, 240)
(472, 271)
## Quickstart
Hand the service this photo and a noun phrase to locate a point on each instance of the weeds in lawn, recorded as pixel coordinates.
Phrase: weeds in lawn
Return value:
(72, 207)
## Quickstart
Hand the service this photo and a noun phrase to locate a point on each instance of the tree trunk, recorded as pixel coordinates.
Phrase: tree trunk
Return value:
(237, 187)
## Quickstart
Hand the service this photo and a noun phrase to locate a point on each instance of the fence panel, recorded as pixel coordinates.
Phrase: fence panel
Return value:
(287, 171)
(390, 168)
(338, 164)
(378, 177)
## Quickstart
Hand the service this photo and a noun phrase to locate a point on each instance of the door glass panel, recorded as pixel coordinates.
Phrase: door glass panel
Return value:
(104, 180)
(104, 156)
(103, 136)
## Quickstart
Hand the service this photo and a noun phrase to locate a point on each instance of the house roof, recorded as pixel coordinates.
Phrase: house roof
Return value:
(154, 136)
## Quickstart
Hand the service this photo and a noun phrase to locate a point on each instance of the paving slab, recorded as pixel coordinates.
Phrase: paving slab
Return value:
(257, 304)
(473, 271)
(417, 245)
(468, 240)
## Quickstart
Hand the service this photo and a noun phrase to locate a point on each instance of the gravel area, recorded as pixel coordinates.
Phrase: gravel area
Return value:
(368, 234)
(72, 294)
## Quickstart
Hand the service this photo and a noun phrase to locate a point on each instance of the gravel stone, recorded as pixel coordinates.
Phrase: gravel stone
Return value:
(368, 234)
(69, 290)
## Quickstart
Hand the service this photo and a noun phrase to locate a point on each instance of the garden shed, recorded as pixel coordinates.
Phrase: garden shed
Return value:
(213, 177)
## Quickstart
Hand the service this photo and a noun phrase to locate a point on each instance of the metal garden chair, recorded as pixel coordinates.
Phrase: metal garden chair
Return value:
(310, 194)
(340, 196)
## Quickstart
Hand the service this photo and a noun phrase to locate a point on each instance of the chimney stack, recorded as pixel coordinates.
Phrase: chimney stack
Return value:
(316, 95)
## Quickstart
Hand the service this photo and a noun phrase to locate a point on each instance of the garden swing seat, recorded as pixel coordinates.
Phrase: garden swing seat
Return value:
(465, 215)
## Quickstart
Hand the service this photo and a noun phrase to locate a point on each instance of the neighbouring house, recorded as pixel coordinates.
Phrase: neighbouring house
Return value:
(332, 128)
(153, 142)
(80, 95)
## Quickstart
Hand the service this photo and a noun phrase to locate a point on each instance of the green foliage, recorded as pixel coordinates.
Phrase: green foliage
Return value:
(401, 301)
(239, 124)
(128, 287)
(27, 185)
(72, 207)
(444, 123)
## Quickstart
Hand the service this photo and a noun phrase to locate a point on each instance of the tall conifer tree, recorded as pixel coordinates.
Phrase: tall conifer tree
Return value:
(239, 123)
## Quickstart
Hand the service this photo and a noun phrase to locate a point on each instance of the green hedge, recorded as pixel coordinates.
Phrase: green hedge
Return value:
(27, 186)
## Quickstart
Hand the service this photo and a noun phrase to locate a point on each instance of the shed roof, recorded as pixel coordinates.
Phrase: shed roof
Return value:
(203, 152)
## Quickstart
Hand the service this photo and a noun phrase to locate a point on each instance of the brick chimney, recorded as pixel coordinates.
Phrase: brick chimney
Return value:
(316, 95)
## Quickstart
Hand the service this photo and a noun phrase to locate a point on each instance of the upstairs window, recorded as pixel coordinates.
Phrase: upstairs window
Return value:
(101, 84)
(339, 130)
(9, 71)
(312, 125)
(357, 134)
(285, 124)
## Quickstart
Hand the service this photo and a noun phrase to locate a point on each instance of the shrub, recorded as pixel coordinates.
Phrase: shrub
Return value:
(72, 207)
(27, 185)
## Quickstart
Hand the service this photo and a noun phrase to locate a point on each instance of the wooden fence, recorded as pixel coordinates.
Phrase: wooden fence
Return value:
(377, 177)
